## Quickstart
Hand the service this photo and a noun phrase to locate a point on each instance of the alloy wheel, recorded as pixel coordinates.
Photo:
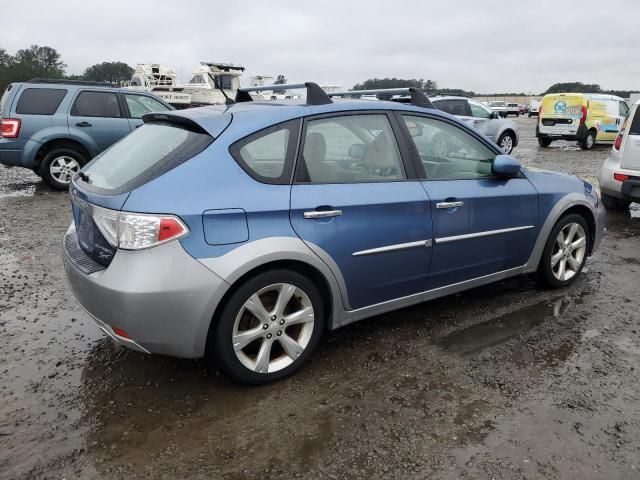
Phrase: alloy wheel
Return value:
(273, 328)
(63, 168)
(506, 144)
(569, 251)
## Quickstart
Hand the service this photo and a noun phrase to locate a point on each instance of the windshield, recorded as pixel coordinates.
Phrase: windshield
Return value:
(147, 153)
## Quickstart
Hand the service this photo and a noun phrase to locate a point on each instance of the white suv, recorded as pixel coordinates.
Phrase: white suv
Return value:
(620, 174)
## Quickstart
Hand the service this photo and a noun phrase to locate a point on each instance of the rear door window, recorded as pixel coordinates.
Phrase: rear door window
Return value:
(96, 104)
(40, 101)
(454, 107)
(147, 153)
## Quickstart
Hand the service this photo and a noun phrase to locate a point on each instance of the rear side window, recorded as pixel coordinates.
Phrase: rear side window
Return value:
(140, 104)
(454, 107)
(267, 155)
(634, 129)
(40, 101)
(147, 153)
(96, 104)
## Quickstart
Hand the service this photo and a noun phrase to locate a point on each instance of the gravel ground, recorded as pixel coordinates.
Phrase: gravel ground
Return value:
(505, 381)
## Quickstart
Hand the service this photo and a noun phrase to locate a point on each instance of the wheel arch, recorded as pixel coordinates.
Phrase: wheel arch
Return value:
(301, 267)
(59, 143)
(513, 133)
(571, 203)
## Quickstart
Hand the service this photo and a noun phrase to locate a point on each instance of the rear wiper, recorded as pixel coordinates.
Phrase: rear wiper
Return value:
(84, 177)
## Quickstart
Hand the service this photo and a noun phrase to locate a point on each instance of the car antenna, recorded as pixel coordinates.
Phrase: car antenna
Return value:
(227, 100)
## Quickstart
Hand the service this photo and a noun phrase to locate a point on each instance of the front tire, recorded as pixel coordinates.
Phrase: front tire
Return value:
(588, 141)
(613, 203)
(565, 252)
(59, 165)
(506, 142)
(268, 328)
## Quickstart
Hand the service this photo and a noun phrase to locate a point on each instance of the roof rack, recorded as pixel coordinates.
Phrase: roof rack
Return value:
(68, 82)
(315, 94)
(418, 97)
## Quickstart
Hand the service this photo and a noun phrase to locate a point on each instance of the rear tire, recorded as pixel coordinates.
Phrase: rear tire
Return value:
(544, 142)
(613, 203)
(565, 252)
(506, 142)
(268, 328)
(59, 165)
(588, 141)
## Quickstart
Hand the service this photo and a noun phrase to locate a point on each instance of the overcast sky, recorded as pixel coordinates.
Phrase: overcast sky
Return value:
(479, 45)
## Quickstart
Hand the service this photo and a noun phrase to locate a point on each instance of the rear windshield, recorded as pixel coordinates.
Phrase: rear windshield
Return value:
(40, 101)
(147, 153)
(634, 129)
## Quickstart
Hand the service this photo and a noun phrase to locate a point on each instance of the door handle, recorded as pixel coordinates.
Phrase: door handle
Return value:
(477, 121)
(322, 214)
(83, 124)
(456, 204)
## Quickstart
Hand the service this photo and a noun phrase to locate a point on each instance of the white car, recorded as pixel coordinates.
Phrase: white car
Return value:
(534, 108)
(499, 107)
(620, 174)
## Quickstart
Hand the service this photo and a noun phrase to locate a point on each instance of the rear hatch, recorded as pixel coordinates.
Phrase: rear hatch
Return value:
(561, 114)
(631, 144)
(100, 190)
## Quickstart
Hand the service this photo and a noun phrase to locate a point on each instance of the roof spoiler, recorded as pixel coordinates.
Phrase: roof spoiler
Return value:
(418, 97)
(315, 94)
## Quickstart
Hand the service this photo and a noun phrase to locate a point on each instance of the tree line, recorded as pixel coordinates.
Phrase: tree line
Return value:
(46, 62)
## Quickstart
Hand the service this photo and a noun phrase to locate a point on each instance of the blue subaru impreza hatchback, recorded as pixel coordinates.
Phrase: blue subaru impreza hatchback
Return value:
(242, 232)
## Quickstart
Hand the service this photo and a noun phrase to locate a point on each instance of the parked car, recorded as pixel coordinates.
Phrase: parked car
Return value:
(54, 127)
(523, 109)
(241, 233)
(501, 131)
(499, 107)
(620, 173)
(587, 118)
(513, 109)
(534, 108)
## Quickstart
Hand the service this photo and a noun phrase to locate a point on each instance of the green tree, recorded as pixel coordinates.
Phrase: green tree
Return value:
(109, 72)
(32, 62)
(573, 87)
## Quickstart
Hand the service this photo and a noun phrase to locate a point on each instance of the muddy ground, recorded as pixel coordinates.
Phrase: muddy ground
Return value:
(502, 382)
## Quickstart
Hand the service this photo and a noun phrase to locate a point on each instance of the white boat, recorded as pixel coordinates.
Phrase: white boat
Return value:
(202, 88)
(275, 94)
(159, 80)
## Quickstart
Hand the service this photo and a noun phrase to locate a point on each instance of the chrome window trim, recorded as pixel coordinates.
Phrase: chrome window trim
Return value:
(487, 233)
(393, 248)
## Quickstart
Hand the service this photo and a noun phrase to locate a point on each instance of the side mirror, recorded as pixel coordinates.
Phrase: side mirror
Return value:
(493, 115)
(505, 166)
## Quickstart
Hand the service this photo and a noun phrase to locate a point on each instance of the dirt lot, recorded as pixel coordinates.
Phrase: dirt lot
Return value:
(502, 382)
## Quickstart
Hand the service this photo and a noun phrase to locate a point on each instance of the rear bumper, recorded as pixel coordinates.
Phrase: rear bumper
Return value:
(579, 135)
(161, 297)
(18, 153)
(627, 190)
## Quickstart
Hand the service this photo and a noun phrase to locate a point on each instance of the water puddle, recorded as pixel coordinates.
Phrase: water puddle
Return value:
(504, 327)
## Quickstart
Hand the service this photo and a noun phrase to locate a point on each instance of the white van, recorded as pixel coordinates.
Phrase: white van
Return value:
(620, 174)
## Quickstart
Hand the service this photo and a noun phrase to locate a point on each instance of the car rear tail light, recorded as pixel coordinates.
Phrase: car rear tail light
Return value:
(618, 143)
(583, 118)
(120, 332)
(9, 127)
(621, 177)
(137, 231)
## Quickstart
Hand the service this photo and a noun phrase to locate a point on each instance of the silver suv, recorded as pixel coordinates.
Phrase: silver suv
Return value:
(620, 174)
(502, 131)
